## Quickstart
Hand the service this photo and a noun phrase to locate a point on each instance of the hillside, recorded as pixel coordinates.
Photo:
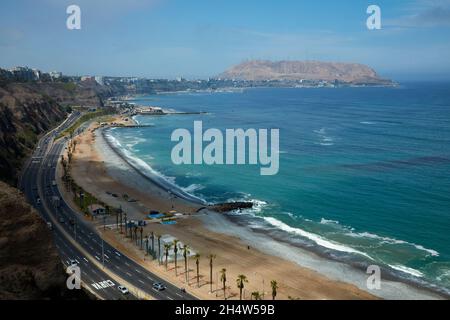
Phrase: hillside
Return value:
(31, 108)
(257, 70)
(30, 267)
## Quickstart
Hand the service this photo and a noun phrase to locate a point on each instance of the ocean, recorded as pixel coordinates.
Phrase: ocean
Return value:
(364, 172)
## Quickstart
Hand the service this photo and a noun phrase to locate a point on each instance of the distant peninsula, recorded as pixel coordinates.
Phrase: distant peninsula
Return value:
(265, 70)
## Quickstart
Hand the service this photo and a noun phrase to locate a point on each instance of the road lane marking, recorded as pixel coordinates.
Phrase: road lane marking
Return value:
(103, 284)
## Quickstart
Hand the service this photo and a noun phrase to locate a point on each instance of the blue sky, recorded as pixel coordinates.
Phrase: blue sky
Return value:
(196, 38)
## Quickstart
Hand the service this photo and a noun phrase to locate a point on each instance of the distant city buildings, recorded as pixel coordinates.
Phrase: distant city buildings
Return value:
(24, 73)
(55, 74)
(99, 80)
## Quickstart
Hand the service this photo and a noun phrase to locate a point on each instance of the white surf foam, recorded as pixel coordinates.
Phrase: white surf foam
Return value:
(145, 168)
(367, 122)
(314, 237)
(193, 187)
(407, 270)
(388, 240)
(326, 221)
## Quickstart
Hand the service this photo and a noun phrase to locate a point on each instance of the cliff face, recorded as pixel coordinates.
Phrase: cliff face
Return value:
(298, 70)
(24, 114)
(84, 93)
(30, 267)
(29, 109)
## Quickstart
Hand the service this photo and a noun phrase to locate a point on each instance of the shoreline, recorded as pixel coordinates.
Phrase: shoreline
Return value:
(154, 178)
(236, 227)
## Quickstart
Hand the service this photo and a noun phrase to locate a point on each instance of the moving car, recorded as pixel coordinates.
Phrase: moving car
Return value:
(123, 289)
(158, 286)
(73, 263)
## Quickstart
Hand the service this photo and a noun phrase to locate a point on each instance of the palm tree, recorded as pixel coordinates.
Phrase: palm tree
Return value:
(120, 218)
(274, 286)
(211, 257)
(223, 279)
(135, 234)
(241, 279)
(256, 295)
(153, 243)
(140, 231)
(167, 247)
(186, 252)
(146, 245)
(175, 251)
(159, 249)
(125, 222)
(197, 262)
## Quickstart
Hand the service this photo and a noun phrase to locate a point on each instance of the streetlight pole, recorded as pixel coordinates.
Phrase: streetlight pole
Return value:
(263, 292)
(217, 282)
(103, 255)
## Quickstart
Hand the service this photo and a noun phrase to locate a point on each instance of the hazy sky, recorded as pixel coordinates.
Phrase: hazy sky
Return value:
(193, 38)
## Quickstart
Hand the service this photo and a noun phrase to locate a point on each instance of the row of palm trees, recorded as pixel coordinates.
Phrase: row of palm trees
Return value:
(240, 283)
(241, 280)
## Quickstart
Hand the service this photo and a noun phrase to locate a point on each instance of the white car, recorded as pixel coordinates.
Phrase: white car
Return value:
(73, 263)
(123, 289)
(158, 286)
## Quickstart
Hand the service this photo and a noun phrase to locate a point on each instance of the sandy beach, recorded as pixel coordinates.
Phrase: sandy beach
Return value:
(300, 274)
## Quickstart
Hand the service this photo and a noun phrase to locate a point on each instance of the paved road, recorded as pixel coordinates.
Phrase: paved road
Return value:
(37, 183)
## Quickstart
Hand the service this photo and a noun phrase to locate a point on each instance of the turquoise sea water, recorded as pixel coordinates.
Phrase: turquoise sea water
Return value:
(364, 172)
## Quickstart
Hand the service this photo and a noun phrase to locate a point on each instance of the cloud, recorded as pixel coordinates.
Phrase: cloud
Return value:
(429, 14)
(107, 7)
(10, 36)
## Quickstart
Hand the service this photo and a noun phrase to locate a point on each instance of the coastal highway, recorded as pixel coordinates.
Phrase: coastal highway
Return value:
(93, 278)
(79, 240)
